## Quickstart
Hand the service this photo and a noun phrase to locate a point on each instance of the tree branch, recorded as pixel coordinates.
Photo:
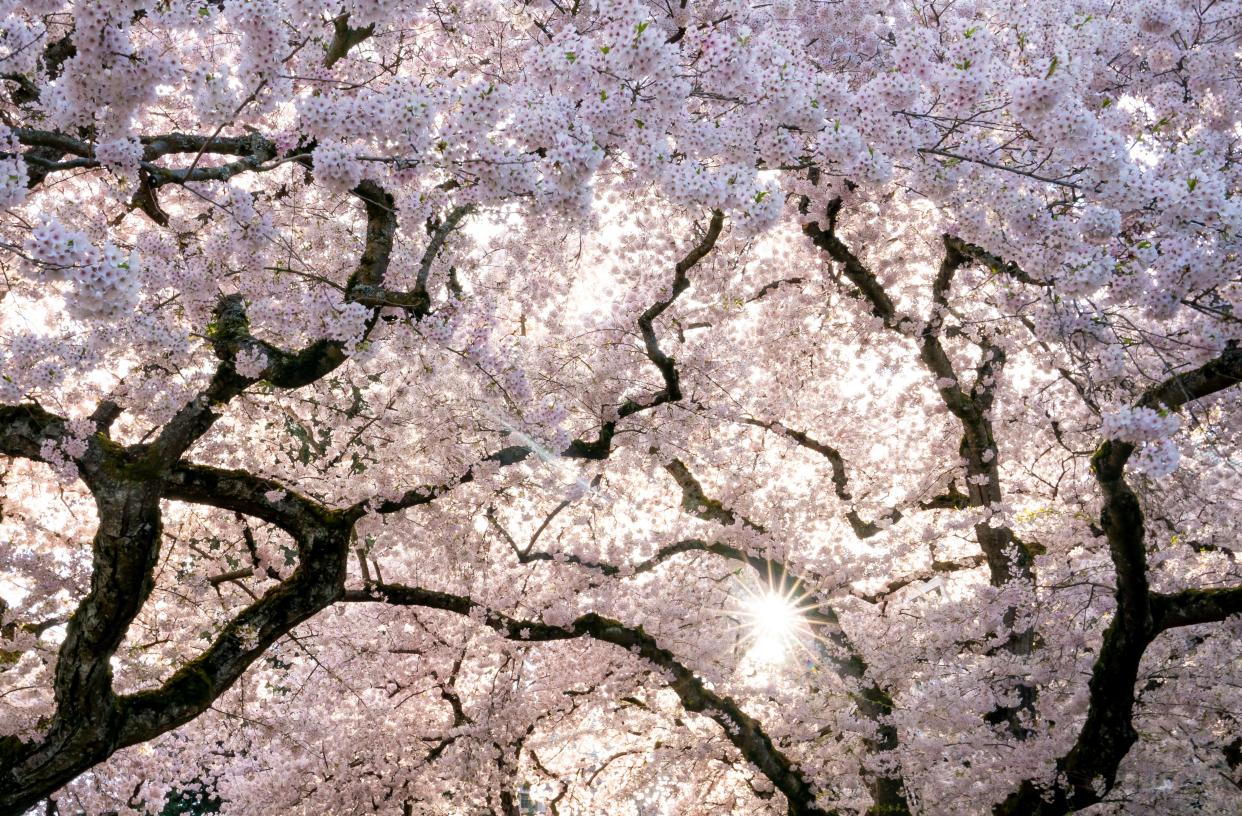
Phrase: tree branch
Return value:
(601, 447)
(1191, 607)
(746, 733)
(1108, 732)
(344, 37)
(646, 321)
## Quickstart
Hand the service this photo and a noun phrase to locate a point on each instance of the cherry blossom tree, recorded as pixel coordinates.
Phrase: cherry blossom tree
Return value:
(620, 407)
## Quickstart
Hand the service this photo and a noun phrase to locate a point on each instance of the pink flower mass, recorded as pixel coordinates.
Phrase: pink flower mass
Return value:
(620, 407)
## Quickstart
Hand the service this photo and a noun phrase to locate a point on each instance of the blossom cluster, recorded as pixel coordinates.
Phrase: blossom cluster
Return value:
(1141, 424)
(13, 175)
(1151, 430)
(337, 167)
(121, 156)
(104, 283)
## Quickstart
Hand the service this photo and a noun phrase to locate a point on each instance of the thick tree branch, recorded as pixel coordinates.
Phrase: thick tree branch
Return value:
(996, 264)
(1090, 766)
(317, 583)
(344, 37)
(746, 733)
(247, 494)
(1191, 607)
(421, 298)
(24, 429)
(82, 731)
(91, 722)
(1224, 371)
(697, 503)
(868, 286)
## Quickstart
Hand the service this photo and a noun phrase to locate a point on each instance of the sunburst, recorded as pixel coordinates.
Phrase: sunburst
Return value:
(774, 620)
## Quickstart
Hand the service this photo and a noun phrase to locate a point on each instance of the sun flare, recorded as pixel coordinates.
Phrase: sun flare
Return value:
(774, 623)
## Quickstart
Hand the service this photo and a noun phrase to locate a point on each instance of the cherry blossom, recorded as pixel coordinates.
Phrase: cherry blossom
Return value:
(620, 407)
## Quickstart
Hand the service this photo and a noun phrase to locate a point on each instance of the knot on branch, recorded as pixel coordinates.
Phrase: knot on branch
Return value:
(229, 327)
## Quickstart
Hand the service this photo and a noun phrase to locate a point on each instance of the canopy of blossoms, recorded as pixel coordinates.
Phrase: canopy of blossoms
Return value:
(631, 407)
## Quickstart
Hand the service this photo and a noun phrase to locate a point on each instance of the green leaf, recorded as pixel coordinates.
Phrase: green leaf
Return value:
(1192, 183)
(571, 56)
(1052, 68)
